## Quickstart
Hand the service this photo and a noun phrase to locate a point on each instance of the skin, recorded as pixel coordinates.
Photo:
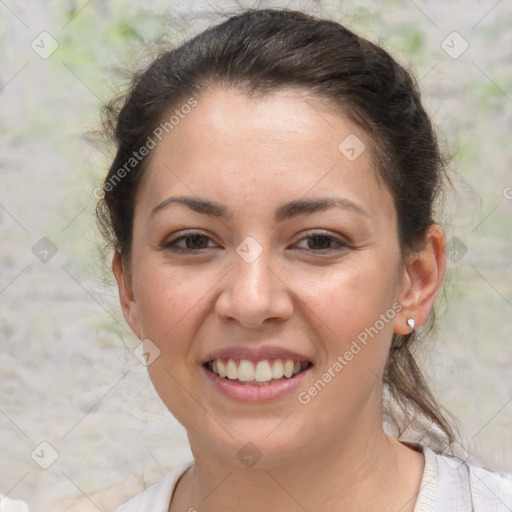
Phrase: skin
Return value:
(252, 155)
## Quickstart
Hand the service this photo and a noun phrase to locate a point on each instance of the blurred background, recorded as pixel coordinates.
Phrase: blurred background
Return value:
(80, 422)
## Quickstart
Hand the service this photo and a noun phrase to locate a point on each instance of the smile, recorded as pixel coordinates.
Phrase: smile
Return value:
(263, 372)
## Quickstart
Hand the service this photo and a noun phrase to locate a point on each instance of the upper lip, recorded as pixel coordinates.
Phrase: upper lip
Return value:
(255, 353)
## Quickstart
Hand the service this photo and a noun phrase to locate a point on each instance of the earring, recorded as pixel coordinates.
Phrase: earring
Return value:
(410, 323)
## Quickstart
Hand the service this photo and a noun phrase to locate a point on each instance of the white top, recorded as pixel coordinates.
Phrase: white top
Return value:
(447, 485)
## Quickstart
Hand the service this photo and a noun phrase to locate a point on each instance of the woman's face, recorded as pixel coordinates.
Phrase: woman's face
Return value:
(280, 254)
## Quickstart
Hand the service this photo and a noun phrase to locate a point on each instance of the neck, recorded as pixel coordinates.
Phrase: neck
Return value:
(372, 472)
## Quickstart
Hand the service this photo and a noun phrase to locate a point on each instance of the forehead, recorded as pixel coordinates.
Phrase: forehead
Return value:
(279, 144)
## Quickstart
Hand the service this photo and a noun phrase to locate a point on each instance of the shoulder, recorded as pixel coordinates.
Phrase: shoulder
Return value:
(478, 488)
(157, 497)
(490, 487)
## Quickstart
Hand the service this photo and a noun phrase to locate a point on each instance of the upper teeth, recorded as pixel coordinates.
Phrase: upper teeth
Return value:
(262, 371)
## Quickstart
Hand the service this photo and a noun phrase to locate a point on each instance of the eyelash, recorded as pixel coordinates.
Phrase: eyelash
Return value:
(341, 245)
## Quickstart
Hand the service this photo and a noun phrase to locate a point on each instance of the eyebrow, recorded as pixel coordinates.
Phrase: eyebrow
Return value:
(285, 211)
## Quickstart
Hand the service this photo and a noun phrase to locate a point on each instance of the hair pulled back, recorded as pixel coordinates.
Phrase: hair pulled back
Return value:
(261, 51)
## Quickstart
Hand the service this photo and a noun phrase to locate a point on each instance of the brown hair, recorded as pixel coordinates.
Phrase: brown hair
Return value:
(260, 51)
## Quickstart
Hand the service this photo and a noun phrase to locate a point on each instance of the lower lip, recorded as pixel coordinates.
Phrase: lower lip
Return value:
(254, 393)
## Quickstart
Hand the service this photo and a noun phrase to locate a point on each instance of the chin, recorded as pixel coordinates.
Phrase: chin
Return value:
(263, 443)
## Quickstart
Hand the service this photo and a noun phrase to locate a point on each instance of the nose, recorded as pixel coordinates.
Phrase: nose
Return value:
(254, 293)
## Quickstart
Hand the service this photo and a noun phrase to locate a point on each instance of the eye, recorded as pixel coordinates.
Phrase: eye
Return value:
(316, 242)
(321, 242)
(190, 242)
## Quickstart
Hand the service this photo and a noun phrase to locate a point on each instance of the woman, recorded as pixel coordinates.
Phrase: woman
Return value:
(271, 210)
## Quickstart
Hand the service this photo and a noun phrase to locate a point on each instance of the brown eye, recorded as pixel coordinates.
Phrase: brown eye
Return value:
(195, 241)
(189, 243)
(320, 242)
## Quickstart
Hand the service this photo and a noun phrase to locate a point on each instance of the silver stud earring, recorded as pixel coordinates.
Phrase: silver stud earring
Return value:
(410, 323)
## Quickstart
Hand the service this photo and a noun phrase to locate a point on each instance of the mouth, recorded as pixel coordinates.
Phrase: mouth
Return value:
(263, 372)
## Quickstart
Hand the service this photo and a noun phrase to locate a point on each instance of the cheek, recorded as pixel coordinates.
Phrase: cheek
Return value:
(352, 297)
(170, 306)
(355, 328)
(354, 306)
(169, 301)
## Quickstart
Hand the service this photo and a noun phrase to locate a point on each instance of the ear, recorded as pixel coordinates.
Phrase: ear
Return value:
(126, 296)
(422, 278)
